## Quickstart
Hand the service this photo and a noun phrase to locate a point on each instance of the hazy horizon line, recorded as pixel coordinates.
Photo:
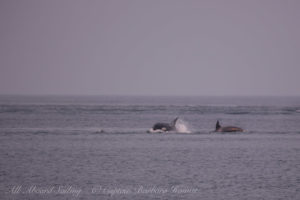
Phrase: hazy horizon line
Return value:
(156, 95)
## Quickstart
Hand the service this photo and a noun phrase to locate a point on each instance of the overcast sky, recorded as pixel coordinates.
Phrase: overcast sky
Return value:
(150, 47)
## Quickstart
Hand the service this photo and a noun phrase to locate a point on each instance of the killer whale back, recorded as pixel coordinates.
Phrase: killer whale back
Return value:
(219, 128)
(160, 126)
(231, 129)
(166, 126)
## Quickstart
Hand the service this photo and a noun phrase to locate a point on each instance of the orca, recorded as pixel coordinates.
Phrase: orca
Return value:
(219, 128)
(163, 127)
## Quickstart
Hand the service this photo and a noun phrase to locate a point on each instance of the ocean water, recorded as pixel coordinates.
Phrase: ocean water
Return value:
(97, 147)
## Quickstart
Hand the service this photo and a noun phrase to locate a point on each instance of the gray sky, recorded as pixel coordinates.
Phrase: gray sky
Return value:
(153, 47)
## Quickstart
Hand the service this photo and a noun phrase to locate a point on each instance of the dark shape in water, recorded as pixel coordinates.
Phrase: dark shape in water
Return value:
(165, 126)
(219, 128)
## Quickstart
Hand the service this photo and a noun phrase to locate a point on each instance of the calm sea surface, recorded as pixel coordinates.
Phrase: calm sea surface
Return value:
(97, 147)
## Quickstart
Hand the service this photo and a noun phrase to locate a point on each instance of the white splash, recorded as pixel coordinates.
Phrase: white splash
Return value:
(182, 126)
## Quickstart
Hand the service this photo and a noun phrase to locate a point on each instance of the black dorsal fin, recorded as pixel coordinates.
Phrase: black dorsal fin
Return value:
(173, 123)
(218, 126)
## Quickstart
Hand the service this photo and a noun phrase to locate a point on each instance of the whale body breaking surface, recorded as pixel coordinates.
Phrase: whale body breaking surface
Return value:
(175, 126)
(219, 128)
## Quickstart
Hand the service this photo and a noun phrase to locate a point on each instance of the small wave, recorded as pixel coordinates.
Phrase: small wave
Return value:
(238, 113)
(9, 109)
